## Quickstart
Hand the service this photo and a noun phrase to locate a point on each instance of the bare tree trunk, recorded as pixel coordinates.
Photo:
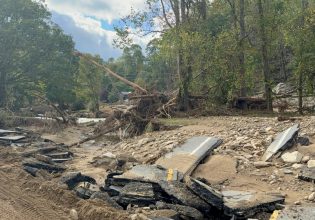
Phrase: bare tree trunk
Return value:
(241, 48)
(264, 53)
(301, 67)
(2, 89)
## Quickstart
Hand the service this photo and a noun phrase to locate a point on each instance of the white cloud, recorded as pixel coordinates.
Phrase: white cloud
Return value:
(83, 20)
(108, 10)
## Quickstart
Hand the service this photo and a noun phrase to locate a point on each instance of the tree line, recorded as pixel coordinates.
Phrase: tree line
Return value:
(218, 49)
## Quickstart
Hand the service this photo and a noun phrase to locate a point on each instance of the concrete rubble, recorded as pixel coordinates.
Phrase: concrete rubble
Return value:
(175, 182)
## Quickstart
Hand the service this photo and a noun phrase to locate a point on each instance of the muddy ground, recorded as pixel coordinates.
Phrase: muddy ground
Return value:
(231, 166)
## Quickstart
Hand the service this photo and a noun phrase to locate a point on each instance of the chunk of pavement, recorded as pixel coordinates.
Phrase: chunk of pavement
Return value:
(51, 168)
(184, 196)
(182, 210)
(304, 141)
(12, 138)
(187, 157)
(311, 163)
(72, 179)
(144, 173)
(83, 192)
(43, 158)
(293, 157)
(246, 204)
(208, 194)
(262, 164)
(137, 193)
(4, 132)
(106, 198)
(283, 141)
(294, 212)
(30, 170)
(307, 174)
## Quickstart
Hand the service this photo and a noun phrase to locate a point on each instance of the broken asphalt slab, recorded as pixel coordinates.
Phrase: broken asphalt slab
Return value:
(244, 204)
(283, 141)
(141, 194)
(307, 174)
(144, 173)
(183, 196)
(186, 157)
(207, 193)
(51, 168)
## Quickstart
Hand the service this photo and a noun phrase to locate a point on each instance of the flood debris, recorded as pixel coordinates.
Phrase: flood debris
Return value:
(246, 204)
(187, 157)
(307, 174)
(283, 141)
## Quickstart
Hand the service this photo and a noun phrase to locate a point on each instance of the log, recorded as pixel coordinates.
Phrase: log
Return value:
(110, 72)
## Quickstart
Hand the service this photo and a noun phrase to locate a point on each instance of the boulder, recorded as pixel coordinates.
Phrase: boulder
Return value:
(311, 163)
(294, 157)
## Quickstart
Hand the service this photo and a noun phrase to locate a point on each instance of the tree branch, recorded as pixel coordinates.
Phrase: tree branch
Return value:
(164, 15)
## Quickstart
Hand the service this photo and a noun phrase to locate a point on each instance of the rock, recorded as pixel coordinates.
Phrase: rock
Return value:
(269, 130)
(305, 159)
(145, 141)
(311, 163)
(304, 141)
(297, 166)
(294, 157)
(74, 214)
(262, 164)
(297, 203)
(287, 171)
(311, 197)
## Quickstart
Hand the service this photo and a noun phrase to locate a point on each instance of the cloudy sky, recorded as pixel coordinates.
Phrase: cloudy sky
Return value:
(90, 22)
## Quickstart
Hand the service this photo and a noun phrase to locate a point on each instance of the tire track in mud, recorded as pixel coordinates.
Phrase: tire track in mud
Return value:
(17, 204)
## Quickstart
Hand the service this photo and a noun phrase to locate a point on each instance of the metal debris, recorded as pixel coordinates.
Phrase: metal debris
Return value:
(283, 141)
(187, 157)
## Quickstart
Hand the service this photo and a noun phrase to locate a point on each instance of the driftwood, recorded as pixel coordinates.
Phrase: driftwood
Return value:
(110, 72)
(96, 135)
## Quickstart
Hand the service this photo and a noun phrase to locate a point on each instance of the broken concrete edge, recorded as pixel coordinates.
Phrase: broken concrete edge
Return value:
(51, 168)
(248, 212)
(307, 174)
(206, 192)
(283, 141)
(187, 157)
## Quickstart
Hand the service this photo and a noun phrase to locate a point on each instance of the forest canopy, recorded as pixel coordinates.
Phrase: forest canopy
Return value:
(218, 49)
